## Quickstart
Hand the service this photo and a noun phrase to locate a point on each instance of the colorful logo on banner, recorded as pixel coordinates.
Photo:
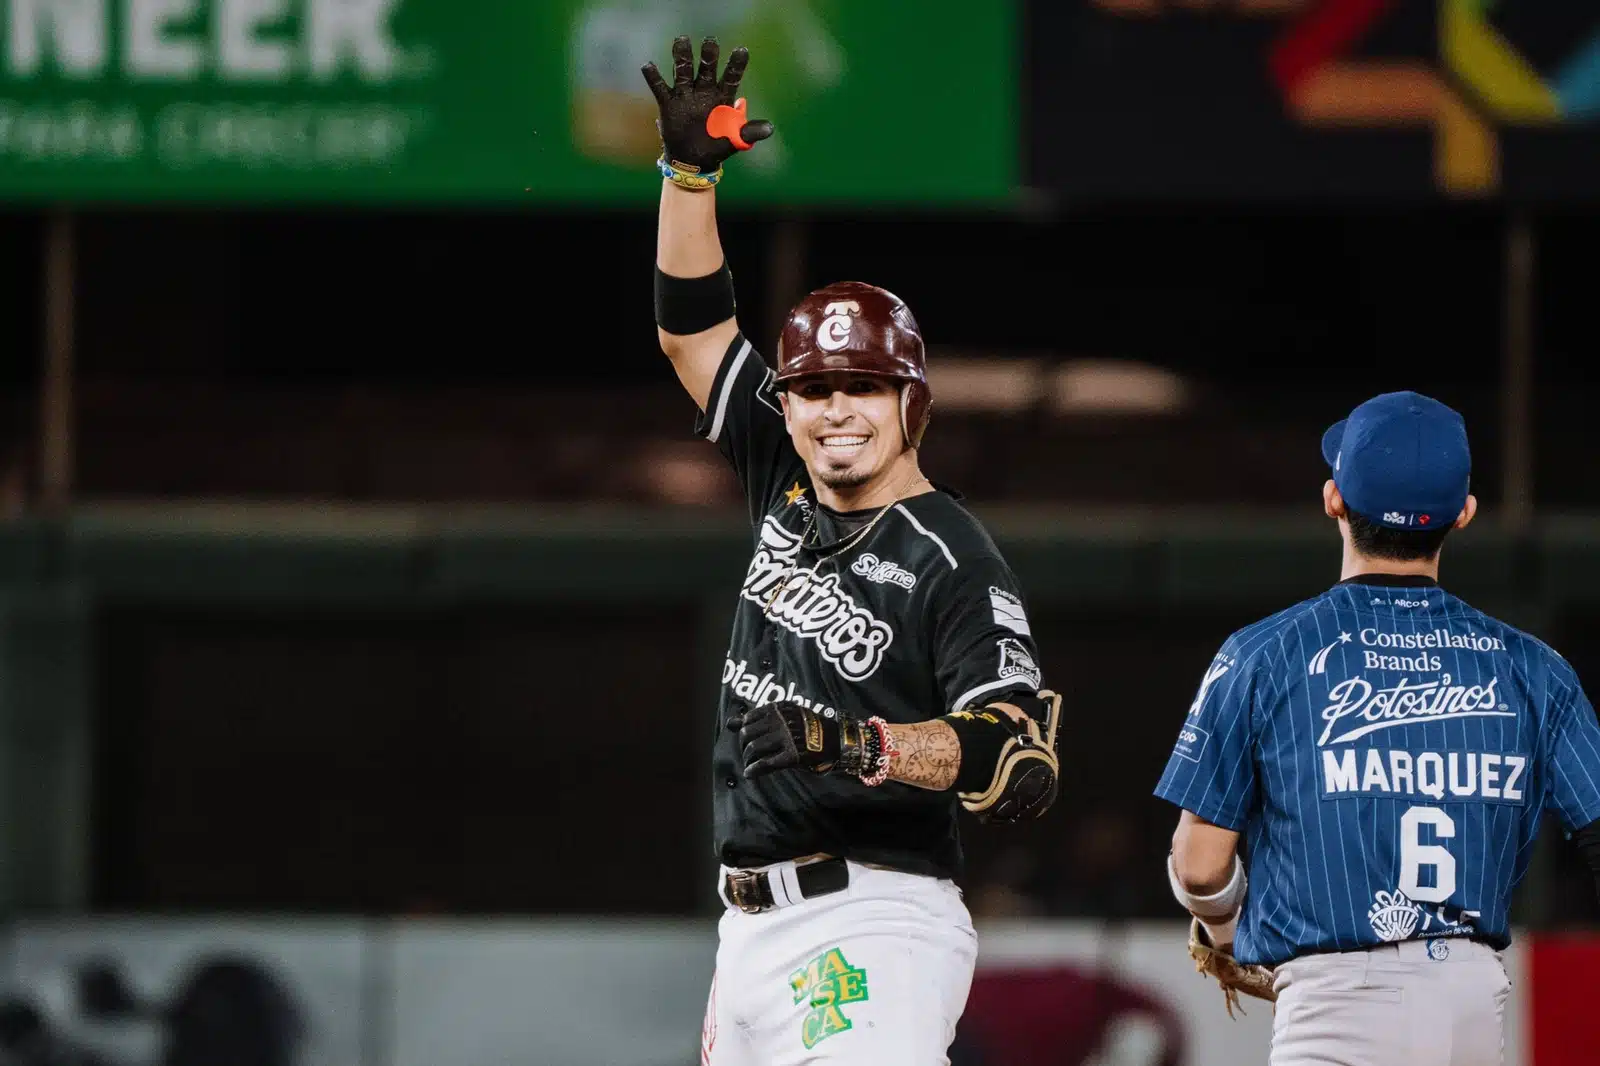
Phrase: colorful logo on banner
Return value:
(1477, 83)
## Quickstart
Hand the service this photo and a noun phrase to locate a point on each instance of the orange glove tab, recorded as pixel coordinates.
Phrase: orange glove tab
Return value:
(725, 121)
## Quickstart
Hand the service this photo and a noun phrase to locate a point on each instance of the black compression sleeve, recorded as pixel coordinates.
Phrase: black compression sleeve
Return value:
(983, 733)
(686, 306)
(1588, 841)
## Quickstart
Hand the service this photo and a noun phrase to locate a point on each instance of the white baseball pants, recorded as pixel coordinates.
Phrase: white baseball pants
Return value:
(874, 975)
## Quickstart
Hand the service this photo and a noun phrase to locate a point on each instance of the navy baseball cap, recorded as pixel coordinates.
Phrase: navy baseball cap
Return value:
(1401, 460)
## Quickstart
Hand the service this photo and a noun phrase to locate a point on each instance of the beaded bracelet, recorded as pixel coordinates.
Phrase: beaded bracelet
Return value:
(686, 177)
(859, 745)
(886, 750)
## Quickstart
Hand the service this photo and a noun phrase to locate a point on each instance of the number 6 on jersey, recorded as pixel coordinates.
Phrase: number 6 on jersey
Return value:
(1415, 856)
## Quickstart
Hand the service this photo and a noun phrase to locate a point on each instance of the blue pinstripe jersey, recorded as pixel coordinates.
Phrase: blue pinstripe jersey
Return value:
(1386, 752)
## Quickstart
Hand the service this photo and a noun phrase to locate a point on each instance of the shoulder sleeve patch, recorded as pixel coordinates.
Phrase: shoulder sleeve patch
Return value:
(1008, 611)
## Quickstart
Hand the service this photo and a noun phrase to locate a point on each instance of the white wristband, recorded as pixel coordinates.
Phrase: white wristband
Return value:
(1219, 909)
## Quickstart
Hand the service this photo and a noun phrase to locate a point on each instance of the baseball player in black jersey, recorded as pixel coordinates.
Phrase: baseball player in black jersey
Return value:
(881, 668)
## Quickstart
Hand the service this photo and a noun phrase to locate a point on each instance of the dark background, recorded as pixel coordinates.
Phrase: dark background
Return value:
(1285, 318)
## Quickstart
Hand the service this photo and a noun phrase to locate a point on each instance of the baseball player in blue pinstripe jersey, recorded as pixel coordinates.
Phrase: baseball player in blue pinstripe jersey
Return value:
(1385, 751)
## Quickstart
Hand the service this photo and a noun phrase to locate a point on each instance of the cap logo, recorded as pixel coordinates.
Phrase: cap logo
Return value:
(1406, 518)
(834, 333)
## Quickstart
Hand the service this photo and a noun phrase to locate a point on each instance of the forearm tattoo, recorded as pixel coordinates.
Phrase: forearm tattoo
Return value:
(929, 755)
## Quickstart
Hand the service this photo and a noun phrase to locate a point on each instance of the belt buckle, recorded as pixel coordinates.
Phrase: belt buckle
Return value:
(742, 891)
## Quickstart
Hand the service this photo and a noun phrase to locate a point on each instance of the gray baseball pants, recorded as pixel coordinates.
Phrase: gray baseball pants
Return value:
(1418, 1003)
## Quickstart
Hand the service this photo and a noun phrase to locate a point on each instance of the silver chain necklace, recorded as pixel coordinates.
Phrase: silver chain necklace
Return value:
(851, 541)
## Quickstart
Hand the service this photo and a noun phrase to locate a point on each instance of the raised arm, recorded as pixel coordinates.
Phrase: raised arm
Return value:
(692, 286)
(702, 124)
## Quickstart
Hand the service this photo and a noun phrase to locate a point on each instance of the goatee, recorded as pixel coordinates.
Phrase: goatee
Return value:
(845, 479)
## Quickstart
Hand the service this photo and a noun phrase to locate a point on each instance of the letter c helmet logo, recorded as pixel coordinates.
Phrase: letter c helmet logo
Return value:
(834, 333)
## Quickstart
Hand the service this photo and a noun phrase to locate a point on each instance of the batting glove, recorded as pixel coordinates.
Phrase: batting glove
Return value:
(703, 119)
(786, 735)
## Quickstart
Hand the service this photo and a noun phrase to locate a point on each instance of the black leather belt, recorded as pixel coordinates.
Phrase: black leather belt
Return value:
(751, 890)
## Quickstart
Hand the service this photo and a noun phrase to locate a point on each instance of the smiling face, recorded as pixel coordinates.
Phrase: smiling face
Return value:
(846, 427)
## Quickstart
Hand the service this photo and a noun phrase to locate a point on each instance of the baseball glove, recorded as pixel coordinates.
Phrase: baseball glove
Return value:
(1232, 975)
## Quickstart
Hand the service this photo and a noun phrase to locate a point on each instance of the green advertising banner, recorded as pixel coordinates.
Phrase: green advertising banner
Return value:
(887, 101)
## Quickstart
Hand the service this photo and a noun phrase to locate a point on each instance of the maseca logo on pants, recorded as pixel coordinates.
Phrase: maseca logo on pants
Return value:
(823, 985)
(847, 635)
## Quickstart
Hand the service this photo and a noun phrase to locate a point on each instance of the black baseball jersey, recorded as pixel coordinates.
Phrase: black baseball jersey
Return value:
(919, 617)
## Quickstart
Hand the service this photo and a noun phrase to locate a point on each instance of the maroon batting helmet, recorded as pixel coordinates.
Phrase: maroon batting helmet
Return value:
(856, 327)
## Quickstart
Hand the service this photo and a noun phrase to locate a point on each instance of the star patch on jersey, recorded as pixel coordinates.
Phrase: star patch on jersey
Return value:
(795, 495)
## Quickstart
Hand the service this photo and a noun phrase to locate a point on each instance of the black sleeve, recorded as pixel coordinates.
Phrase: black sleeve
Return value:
(982, 643)
(1588, 841)
(744, 419)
